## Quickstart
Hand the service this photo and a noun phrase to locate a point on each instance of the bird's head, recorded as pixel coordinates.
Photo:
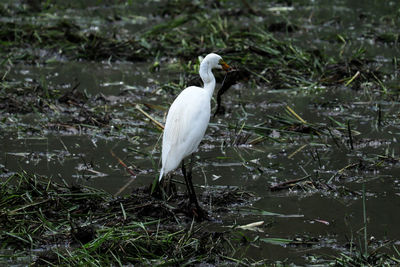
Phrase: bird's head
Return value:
(215, 62)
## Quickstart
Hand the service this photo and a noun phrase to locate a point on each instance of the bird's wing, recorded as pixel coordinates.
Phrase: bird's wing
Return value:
(186, 124)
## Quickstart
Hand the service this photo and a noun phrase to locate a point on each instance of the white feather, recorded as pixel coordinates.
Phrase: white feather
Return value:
(188, 118)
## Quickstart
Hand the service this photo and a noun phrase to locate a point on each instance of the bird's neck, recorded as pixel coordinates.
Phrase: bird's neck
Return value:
(208, 78)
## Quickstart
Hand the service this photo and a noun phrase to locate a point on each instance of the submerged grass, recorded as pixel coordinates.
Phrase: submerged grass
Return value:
(204, 27)
(368, 252)
(57, 224)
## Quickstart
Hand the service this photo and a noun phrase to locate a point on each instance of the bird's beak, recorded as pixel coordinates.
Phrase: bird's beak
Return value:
(224, 66)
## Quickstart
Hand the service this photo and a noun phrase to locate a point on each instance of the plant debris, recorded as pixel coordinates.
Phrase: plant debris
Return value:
(82, 223)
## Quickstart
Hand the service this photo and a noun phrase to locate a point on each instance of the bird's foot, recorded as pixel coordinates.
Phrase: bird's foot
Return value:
(198, 213)
(191, 210)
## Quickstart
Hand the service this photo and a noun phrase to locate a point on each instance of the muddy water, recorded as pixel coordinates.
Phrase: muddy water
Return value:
(327, 219)
(343, 213)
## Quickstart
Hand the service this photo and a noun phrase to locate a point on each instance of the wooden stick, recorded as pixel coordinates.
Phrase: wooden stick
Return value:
(283, 185)
(158, 124)
(295, 114)
(126, 168)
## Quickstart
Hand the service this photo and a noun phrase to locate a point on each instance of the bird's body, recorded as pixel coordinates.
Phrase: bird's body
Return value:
(188, 117)
(185, 127)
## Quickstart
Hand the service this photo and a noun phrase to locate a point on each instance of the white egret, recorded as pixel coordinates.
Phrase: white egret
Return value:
(187, 121)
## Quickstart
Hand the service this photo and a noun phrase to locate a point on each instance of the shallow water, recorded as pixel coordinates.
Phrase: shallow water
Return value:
(329, 217)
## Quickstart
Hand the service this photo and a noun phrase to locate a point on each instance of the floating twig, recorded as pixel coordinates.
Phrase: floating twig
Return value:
(128, 169)
(286, 184)
(347, 167)
(379, 115)
(350, 135)
(353, 78)
(295, 114)
(158, 124)
(297, 151)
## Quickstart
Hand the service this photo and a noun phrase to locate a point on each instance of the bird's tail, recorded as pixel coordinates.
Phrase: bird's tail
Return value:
(161, 174)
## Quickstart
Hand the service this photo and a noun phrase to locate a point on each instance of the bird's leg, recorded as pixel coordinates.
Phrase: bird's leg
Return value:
(193, 197)
(186, 180)
(192, 193)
